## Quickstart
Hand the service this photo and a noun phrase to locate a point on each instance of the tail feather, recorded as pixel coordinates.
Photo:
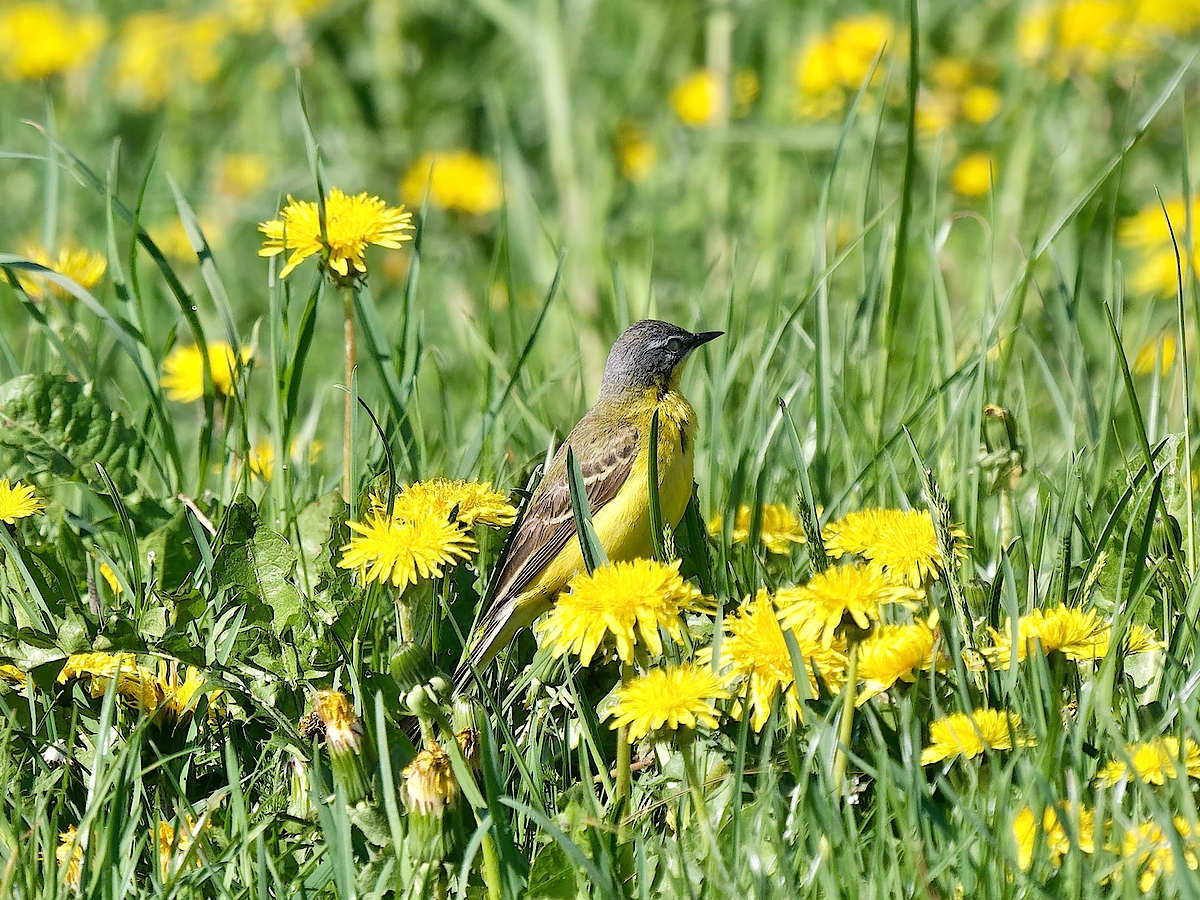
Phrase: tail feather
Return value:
(493, 634)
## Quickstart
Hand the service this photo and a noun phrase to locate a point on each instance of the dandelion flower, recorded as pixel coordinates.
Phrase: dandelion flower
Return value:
(110, 578)
(69, 857)
(1150, 850)
(455, 179)
(404, 550)
(698, 98)
(174, 844)
(668, 698)
(183, 370)
(893, 653)
(1148, 235)
(181, 689)
(1025, 828)
(83, 267)
(261, 459)
(973, 175)
(841, 594)
(620, 599)
(160, 55)
(634, 151)
(902, 542)
(12, 675)
(1154, 762)
(429, 781)
(970, 735)
(980, 104)
(39, 40)
(340, 723)
(241, 176)
(1077, 634)
(780, 528)
(18, 501)
(470, 502)
(1157, 351)
(840, 60)
(754, 648)
(351, 224)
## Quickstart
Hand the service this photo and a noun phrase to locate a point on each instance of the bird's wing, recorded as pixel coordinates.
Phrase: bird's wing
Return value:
(550, 523)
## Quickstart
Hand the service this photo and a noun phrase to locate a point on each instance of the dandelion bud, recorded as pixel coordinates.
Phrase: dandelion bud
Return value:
(349, 756)
(412, 666)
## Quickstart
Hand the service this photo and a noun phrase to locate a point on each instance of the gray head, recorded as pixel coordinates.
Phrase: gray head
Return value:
(648, 354)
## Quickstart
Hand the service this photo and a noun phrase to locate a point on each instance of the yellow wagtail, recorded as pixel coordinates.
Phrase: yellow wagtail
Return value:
(612, 446)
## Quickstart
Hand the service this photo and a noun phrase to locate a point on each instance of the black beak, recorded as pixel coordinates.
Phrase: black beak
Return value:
(704, 337)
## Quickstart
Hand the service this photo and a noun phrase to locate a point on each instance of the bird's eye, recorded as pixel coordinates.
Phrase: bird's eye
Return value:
(675, 345)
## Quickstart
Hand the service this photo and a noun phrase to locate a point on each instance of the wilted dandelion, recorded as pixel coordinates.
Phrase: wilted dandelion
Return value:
(1025, 829)
(351, 225)
(18, 501)
(969, 735)
(1076, 633)
(1155, 762)
(841, 594)
(455, 179)
(429, 782)
(667, 698)
(183, 370)
(40, 40)
(340, 724)
(167, 692)
(893, 653)
(402, 550)
(780, 528)
(622, 599)
(83, 267)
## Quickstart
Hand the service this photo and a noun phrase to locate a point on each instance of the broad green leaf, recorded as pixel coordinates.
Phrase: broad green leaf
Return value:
(253, 559)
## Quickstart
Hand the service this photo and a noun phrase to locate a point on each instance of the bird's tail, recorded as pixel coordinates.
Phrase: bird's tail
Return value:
(494, 632)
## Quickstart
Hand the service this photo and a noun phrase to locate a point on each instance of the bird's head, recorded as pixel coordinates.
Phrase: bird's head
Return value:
(650, 353)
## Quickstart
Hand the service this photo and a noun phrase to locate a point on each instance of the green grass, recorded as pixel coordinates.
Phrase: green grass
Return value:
(871, 315)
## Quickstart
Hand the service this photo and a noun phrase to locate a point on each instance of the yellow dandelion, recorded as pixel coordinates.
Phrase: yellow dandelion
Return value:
(110, 578)
(1158, 351)
(12, 675)
(456, 179)
(668, 698)
(183, 370)
(1082, 36)
(635, 152)
(841, 594)
(261, 459)
(181, 690)
(935, 112)
(950, 73)
(18, 501)
(902, 542)
(69, 856)
(341, 725)
(240, 176)
(1148, 848)
(1026, 828)
(1155, 762)
(429, 781)
(754, 648)
(893, 653)
(135, 683)
(404, 551)
(83, 267)
(470, 502)
(621, 599)
(969, 735)
(161, 56)
(973, 175)
(1148, 235)
(980, 104)
(351, 224)
(780, 528)
(174, 845)
(1077, 634)
(40, 40)
(698, 99)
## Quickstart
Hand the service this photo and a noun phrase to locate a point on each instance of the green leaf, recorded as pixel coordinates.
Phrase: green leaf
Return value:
(51, 423)
(175, 552)
(252, 559)
(551, 877)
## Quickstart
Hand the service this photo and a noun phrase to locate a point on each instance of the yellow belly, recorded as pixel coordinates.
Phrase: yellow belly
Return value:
(623, 524)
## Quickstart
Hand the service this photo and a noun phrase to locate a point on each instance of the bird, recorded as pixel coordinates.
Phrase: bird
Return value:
(612, 446)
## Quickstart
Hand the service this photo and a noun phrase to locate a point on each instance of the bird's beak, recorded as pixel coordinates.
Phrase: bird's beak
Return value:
(704, 337)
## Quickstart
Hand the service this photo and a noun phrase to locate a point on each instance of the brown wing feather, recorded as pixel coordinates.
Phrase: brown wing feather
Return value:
(549, 524)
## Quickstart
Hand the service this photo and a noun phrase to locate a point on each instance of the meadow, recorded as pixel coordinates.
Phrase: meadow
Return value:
(299, 296)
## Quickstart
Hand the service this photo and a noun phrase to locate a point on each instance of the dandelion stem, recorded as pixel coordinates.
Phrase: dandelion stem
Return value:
(846, 726)
(696, 789)
(351, 363)
(621, 789)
